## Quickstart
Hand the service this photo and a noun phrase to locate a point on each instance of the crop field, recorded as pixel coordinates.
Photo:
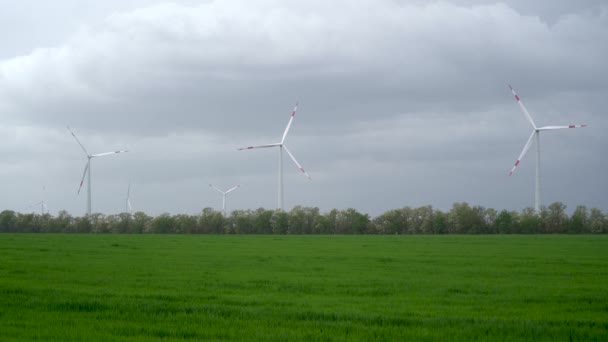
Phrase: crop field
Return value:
(303, 288)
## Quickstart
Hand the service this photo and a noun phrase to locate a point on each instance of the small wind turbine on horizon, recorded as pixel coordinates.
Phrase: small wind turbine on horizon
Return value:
(43, 207)
(87, 169)
(128, 207)
(224, 193)
(535, 133)
(281, 146)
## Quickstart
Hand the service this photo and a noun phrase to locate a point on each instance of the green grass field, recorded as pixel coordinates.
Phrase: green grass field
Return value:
(303, 288)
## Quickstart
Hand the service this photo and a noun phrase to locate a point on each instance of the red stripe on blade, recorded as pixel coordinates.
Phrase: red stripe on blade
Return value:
(517, 163)
(517, 97)
(571, 126)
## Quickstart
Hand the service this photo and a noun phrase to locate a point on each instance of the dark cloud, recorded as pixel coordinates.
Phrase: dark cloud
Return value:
(403, 103)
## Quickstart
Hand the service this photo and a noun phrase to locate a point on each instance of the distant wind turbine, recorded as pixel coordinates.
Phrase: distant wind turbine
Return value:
(43, 208)
(128, 207)
(281, 146)
(224, 193)
(535, 133)
(87, 169)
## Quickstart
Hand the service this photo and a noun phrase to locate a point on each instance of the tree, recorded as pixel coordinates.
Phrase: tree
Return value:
(404, 218)
(99, 223)
(61, 223)
(426, 216)
(598, 224)
(322, 225)
(262, 221)
(440, 222)
(388, 223)
(120, 224)
(529, 222)
(24, 223)
(479, 219)
(242, 221)
(8, 221)
(466, 220)
(163, 224)
(396, 221)
(211, 222)
(490, 221)
(579, 221)
(504, 222)
(414, 221)
(297, 221)
(556, 220)
(332, 218)
(185, 224)
(461, 219)
(141, 223)
(279, 222)
(311, 216)
(350, 221)
(41, 223)
(80, 225)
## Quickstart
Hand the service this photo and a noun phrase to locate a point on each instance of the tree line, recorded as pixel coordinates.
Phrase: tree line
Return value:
(462, 218)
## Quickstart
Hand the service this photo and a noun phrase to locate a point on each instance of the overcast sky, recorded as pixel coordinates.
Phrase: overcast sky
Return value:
(402, 103)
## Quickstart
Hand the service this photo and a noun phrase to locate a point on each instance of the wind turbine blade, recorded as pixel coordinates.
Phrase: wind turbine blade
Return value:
(78, 141)
(86, 168)
(522, 107)
(233, 188)
(297, 164)
(523, 153)
(547, 128)
(214, 187)
(259, 146)
(293, 114)
(129, 205)
(108, 153)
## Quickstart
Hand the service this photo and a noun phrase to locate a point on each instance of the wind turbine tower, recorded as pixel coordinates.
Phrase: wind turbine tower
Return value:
(128, 207)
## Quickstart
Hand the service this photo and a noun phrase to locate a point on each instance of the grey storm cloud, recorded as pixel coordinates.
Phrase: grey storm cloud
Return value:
(401, 103)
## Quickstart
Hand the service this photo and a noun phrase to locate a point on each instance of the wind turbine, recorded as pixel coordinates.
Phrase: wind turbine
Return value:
(224, 193)
(535, 134)
(281, 146)
(43, 208)
(128, 207)
(87, 169)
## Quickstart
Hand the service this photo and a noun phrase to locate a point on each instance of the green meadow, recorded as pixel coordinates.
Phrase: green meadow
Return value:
(56, 287)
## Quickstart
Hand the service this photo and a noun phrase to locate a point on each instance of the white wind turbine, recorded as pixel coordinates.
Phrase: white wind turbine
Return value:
(128, 207)
(43, 207)
(224, 193)
(87, 169)
(535, 133)
(281, 146)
